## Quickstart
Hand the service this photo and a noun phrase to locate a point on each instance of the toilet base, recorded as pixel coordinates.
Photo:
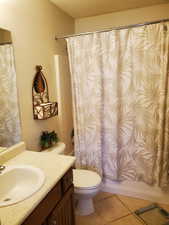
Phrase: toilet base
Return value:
(84, 207)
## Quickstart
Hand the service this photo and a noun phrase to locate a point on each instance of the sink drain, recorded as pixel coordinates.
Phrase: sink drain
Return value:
(7, 199)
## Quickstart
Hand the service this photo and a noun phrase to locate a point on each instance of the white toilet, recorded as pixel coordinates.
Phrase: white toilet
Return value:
(86, 185)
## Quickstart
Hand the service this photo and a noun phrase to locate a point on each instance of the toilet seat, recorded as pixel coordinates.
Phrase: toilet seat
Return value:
(85, 179)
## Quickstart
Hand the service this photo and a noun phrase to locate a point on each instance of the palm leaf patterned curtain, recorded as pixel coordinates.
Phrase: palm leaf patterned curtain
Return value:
(121, 102)
(9, 115)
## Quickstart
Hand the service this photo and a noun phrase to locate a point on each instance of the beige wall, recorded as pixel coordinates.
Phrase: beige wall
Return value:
(34, 24)
(63, 84)
(122, 18)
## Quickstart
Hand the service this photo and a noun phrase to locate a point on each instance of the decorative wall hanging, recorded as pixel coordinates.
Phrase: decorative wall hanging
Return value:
(42, 107)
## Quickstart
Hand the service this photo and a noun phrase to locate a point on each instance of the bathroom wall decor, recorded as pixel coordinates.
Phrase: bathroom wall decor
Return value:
(42, 107)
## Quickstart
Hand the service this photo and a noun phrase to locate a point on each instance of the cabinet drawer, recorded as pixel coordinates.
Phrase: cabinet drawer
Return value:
(46, 206)
(67, 180)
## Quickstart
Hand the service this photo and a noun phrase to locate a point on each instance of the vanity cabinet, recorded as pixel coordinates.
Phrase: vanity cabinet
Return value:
(63, 213)
(57, 208)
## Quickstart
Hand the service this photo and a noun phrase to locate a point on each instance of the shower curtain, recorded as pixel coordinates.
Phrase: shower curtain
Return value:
(9, 115)
(121, 102)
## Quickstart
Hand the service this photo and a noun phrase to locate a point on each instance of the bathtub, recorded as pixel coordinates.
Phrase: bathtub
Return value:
(137, 190)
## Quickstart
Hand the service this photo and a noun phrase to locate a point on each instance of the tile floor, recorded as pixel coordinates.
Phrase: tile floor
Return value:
(115, 210)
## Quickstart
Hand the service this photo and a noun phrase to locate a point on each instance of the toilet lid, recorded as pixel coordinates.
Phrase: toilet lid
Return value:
(85, 179)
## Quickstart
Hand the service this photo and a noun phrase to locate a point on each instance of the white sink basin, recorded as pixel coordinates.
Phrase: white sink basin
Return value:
(18, 183)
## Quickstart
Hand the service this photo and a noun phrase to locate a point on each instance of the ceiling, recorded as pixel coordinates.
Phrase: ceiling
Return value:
(85, 8)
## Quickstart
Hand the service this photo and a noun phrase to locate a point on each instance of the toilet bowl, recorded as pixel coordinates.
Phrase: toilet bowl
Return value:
(86, 186)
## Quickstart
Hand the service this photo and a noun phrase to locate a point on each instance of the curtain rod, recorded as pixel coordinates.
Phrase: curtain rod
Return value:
(6, 43)
(113, 28)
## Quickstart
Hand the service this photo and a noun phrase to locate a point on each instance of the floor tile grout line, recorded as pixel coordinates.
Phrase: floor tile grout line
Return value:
(104, 198)
(125, 205)
(131, 212)
(138, 218)
(112, 221)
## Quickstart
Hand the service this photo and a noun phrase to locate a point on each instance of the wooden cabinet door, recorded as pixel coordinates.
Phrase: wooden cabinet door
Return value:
(43, 210)
(63, 214)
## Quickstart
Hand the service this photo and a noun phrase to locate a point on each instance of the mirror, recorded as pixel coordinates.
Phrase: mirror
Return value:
(10, 129)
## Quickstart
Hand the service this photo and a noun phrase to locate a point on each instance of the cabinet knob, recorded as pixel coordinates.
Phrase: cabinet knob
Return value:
(54, 222)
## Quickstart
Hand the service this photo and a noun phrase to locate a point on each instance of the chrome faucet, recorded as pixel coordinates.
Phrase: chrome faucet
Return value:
(2, 168)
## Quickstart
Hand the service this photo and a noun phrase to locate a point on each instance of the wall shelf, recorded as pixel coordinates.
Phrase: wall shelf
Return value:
(42, 107)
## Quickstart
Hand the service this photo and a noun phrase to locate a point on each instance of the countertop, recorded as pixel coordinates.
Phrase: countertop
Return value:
(53, 165)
